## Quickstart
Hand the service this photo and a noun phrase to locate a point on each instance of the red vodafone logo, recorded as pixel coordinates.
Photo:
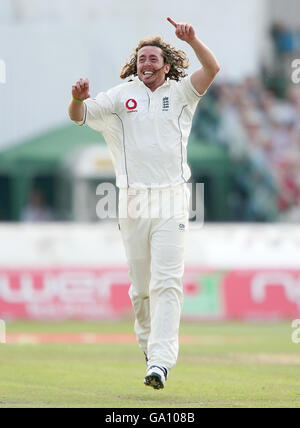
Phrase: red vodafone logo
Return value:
(131, 104)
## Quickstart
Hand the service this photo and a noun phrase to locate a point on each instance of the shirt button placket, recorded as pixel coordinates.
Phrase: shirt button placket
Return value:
(151, 105)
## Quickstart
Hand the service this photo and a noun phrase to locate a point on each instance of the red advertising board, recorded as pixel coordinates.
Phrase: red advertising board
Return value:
(272, 294)
(64, 293)
(55, 294)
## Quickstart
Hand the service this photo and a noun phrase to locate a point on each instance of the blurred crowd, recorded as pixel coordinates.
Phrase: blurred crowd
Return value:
(262, 134)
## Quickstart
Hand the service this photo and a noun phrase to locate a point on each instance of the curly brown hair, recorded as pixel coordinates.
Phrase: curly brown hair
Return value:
(176, 58)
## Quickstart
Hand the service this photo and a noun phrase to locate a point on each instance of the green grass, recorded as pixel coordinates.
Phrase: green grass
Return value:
(230, 365)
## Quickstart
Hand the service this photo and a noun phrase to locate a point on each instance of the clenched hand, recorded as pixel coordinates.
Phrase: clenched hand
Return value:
(81, 88)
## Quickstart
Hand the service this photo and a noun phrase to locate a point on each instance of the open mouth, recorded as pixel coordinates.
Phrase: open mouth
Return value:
(148, 73)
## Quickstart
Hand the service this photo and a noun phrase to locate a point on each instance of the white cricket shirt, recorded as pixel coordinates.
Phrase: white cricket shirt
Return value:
(146, 132)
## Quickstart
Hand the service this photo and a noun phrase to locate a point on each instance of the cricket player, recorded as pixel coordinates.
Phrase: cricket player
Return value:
(146, 122)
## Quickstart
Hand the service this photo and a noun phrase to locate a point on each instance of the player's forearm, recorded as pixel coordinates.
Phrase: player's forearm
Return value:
(76, 111)
(205, 56)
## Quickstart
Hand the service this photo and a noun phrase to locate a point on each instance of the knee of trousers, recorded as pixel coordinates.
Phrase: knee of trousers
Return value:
(136, 295)
(139, 276)
(167, 284)
(141, 306)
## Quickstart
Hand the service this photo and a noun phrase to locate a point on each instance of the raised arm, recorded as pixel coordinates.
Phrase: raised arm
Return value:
(203, 77)
(80, 91)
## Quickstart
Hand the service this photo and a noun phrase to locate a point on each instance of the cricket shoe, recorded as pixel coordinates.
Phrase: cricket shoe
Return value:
(156, 377)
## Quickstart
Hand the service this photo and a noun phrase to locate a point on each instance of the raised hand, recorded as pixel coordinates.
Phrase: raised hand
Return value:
(183, 31)
(81, 88)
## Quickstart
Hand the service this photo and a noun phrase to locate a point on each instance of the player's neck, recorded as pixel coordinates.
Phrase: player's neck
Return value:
(155, 85)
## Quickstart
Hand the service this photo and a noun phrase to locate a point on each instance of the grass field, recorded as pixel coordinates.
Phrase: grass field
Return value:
(219, 365)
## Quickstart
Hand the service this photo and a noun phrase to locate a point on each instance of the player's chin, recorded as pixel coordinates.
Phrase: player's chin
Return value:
(148, 79)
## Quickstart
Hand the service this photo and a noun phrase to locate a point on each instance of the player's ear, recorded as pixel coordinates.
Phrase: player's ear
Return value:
(167, 68)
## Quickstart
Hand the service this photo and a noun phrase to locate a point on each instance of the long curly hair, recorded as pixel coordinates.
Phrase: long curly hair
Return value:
(177, 58)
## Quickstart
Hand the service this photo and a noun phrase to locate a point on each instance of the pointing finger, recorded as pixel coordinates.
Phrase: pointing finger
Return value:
(172, 22)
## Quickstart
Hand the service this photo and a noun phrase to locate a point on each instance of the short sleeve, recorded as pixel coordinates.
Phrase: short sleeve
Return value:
(189, 93)
(97, 112)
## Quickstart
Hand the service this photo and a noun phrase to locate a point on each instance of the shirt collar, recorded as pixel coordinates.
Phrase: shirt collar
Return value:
(137, 80)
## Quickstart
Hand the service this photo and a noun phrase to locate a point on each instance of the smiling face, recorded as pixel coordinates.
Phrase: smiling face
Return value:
(151, 67)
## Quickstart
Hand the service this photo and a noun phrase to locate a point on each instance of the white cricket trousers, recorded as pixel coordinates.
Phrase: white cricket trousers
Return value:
(153, 225)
